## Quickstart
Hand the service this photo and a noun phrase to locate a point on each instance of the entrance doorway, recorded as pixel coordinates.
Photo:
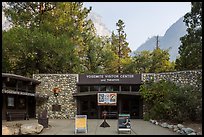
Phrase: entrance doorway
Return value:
(31, 106)
(126, 104)
(112, 111)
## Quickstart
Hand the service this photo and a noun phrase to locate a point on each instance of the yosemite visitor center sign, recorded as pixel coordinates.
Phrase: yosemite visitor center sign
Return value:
(109, 78)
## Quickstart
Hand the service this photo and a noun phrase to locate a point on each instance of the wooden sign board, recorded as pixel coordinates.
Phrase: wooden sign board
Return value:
(107, 99)
(81, 123)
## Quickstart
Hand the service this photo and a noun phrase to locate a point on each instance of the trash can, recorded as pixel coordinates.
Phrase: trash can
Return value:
(43, 119)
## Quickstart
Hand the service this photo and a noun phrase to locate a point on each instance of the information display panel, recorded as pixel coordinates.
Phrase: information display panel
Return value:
(124, 123)
(81, 123)
(107, 99)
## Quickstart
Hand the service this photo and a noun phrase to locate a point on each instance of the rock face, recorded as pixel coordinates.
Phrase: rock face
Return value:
(170, 40)
(101, 28)
(10, 130)
(33, 128)
(67, 85)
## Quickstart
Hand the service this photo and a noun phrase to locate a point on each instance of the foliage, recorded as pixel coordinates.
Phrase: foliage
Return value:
(120, 47)
(109, 58)
(95, 55)
(190, 49)
(160, 61)
(46, 37)
(141, 62)
(168, 101)
(156, 61)
(57, 37)
(30, 55)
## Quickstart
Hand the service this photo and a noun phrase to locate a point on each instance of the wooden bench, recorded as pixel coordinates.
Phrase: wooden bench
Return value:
(17, 116)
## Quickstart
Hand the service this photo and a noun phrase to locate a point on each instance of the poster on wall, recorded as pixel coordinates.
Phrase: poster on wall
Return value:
(107, 99)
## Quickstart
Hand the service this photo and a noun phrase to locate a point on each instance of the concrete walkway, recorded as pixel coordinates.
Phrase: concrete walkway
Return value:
(66, 127)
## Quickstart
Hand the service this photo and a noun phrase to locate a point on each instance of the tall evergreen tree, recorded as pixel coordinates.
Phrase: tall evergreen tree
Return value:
(190, 49)
(120, 46)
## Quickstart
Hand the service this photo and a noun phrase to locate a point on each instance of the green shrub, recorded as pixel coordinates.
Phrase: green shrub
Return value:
(168, 101)
(146, 117)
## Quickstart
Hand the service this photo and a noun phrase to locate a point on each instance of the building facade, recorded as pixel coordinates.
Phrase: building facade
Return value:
(18, 97)
(125, 86)
(79, 92)
(88, 94)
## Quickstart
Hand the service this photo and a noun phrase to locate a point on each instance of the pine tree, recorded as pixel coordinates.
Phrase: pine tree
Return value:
(120, 46)
(190, 49)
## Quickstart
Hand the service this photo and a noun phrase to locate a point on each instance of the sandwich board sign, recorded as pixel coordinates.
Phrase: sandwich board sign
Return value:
(81, 123)
(124, 123)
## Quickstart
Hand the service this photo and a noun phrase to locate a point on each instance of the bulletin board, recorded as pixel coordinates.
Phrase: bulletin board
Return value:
(107, 99)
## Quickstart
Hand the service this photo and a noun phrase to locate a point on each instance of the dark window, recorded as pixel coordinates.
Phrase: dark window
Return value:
(2, 102)
(84, 106)
(31, 88)
(135, 88)
(11, 84)
(94, 88)
(10, 102)
(135, 107)
(115, 88)
(125, 88)
(22, 85)
(103, 88)
(113, 109)
(21, 102)
(125, 105)
(93, 105)
(84, 88)
(3, 85)
(109, 88)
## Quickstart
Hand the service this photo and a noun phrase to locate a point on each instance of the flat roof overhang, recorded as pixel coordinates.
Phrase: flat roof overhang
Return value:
(5, 91)
(18, 77)
(96, 92)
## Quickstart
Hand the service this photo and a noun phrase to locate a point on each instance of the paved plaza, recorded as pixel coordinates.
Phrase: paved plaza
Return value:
(66, 127)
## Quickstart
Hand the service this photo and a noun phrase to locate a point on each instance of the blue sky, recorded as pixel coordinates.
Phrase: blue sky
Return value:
(142, 19)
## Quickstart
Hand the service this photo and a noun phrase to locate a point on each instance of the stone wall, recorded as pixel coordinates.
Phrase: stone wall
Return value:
(67, 84)
(182, 78)
(190, 77)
